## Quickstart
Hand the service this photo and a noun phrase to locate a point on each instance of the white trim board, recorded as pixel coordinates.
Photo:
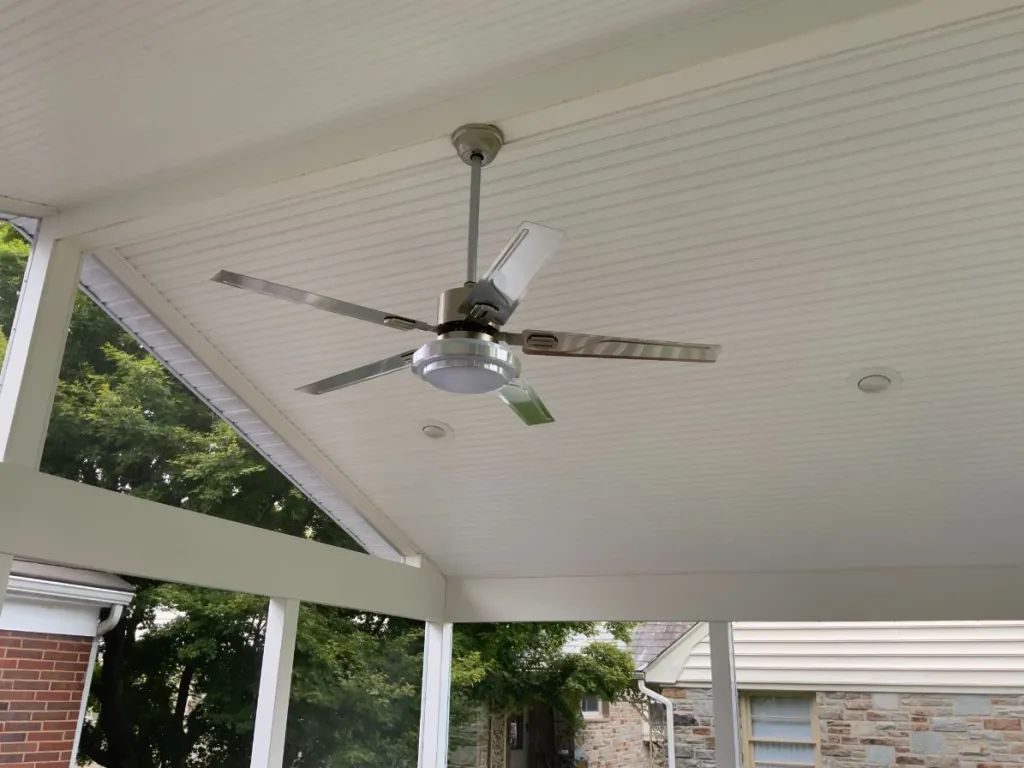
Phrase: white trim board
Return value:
(903, 594)
(50, 519)
(26, 614)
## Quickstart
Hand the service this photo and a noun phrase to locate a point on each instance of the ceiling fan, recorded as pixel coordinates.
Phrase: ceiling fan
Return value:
(471, 354)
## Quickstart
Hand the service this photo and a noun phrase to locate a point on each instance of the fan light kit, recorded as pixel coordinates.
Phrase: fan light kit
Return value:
(470, 353)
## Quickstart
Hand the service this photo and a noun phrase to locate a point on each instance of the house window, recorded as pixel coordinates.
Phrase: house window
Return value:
(593, 708)
(779, 731)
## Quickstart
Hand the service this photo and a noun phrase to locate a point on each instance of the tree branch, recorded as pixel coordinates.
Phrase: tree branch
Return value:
(184, 687)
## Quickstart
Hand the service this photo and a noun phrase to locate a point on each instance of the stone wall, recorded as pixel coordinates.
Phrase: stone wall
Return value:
(615, 740)
(916, 729)
(857, 730)
(694, 727)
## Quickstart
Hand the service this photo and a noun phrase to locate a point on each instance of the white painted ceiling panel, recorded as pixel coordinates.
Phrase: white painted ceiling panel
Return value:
(110, 93)
(862, 209)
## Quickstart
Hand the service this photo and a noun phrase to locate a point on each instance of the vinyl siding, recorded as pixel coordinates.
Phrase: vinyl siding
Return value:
(904, 656)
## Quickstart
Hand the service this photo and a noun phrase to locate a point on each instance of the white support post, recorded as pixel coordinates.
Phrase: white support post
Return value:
(5, 572)
(36, 348)
(724, 695)
(275, 684)
(435, 695)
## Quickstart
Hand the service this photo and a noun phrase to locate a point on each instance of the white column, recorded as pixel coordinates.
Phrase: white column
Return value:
(724, 695)
(275, 684)
(36, 348)
(435, 695)
(5, 572)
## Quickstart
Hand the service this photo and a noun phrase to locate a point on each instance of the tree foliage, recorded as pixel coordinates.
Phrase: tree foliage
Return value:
(176, 681)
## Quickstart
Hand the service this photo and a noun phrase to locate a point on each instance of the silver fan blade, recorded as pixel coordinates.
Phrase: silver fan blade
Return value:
(497, 294)
(362, 373)
(524, 400)
(337, 306)
(562, 344)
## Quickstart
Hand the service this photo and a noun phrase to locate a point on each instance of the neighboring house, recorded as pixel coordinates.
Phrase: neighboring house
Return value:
(50, 622)
(630, 733)
(825, 695)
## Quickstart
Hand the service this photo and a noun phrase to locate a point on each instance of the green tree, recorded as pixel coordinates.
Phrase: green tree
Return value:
(512, 667)
(176, 681)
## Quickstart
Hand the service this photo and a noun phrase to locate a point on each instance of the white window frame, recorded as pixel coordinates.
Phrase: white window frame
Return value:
(591, 715)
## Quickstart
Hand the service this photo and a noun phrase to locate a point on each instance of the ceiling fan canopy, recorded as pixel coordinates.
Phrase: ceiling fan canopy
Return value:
(470, 353)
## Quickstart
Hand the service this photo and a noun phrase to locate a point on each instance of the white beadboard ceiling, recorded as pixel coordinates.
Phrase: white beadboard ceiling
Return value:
(861, 209)
(102, 95)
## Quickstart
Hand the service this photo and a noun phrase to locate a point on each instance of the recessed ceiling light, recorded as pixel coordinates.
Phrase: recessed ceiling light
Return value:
(873, 381)
(436, 430)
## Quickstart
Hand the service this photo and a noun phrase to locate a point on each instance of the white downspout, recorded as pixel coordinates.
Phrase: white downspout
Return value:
(670, 735)
(104, 626)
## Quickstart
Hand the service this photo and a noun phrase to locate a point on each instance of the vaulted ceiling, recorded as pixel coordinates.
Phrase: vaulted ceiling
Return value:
(850, 203)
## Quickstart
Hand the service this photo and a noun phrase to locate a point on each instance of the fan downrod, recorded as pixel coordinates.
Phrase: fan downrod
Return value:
(478, 139)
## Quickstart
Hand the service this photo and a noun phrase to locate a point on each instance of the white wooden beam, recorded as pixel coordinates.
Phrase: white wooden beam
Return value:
(275, 684)
(25, 208)
(924, 594)
(724, 695)
(5, 573)
(659, 66)
(51, 519)
(35, 350)
(435, 695)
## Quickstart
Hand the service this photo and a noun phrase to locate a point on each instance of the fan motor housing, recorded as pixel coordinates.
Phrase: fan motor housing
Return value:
(466, 363)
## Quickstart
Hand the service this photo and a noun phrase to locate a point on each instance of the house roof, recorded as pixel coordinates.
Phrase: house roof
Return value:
(66, 575)
(651, 638)
(648, 641)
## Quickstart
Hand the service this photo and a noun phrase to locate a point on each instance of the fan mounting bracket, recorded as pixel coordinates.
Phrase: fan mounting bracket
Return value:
(478, 139)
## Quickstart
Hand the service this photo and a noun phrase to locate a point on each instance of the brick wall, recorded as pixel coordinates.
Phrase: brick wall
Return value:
(41, 682)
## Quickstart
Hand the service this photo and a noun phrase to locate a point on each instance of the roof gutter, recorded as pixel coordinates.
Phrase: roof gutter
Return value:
(670, 736)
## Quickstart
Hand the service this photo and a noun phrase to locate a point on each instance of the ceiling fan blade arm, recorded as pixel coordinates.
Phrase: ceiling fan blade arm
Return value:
(360, 374)
(326, 303)
(564, 344)
(526, 403)
(497, 294)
